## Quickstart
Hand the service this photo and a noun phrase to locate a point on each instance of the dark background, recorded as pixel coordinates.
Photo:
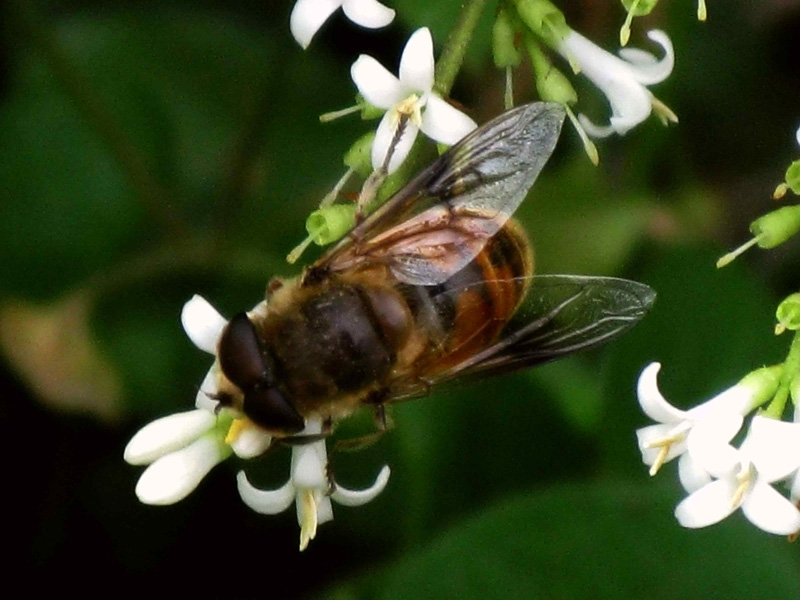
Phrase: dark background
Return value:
(150, 151)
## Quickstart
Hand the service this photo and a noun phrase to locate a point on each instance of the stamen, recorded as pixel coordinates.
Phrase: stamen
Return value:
(298, 250)
(663, 112)
(335, 114)
(659, 461)
(744, 477)
(508, 98)
(780, 191)
(588, 145)
(701, 10)
(625, 31)
(308, 510)
(730, 256)
(235, 430)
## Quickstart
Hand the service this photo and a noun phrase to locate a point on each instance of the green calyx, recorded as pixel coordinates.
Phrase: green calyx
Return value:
(776, 227)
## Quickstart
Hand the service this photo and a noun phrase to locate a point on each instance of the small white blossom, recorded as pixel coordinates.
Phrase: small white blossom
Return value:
(309, 15)
(182, 448)
(622, 79)
(720, 417)
(795, 481)
(409, 98)
(742, 478)
(309, 487)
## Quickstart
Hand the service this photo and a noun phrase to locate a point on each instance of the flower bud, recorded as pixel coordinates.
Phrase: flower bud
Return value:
(551, 83)
(504, 49)
(544, 19)
(358, 157)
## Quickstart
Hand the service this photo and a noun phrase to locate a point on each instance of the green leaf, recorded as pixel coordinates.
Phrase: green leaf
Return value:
(582, 541)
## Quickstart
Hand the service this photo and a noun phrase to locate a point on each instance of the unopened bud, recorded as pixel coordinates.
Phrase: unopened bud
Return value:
(504, 48)
(544, 20)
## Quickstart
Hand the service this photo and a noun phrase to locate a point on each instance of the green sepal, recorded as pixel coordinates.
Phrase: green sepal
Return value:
(328, 224)
(504, 47)
(776, 227)
(551, 83)
(639, 7)
(788, 312)
(544, 20)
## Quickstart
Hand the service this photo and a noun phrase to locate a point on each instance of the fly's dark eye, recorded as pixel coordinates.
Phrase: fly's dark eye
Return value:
(240, 353)
(267, 407)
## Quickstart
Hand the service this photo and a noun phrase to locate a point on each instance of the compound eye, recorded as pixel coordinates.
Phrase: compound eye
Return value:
(239, 353)
(267, 407)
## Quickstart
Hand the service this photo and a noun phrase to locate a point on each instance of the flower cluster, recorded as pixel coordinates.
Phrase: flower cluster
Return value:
(719, 477)
(182, 448)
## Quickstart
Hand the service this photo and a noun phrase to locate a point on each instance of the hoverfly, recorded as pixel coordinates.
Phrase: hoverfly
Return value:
(434, 285)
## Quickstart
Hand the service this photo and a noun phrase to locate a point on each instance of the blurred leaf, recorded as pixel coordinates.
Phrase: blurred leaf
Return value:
(580, 541)
(578, 224)
(52, 348)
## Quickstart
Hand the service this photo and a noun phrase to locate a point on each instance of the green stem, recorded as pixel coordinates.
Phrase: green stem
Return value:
(86, 98)
(455, 48)
(791, 367)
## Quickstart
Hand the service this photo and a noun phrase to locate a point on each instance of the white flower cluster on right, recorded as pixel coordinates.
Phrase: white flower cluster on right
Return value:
(718, 477)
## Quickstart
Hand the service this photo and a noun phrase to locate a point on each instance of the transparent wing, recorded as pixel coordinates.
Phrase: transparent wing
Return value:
(440, 221)
(560, 315)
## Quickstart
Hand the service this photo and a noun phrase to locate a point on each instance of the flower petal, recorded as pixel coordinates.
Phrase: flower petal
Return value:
(308, 16)
(592, 130)
(773, 446)
(347, 497)
(708, 505)
(209, 388)
(384, 137)
(266, 502)
(368, 13)
(712, 453)
(770, 511)
(416, 64)
(309, 468)
(378, 86)
(630, 104)
(251, 442)
(324, 510)
(202, 323)
(652, 402)
(692, 476)
(644, 67)
(173, 477)
(166, 435)
(443, 122)
(651, 435)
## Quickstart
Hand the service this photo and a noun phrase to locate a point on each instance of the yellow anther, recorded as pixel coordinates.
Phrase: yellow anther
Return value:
(659, 461)
(236, 429)
(744, 477)
(308, 511)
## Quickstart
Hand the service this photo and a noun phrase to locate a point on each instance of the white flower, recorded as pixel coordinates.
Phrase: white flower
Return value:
(309, 487)
(795, 482)
(409, 98)
(309, 15)
(181, 449)
(769, 453)
(204, 325)
(622, 79)
(720, 418)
